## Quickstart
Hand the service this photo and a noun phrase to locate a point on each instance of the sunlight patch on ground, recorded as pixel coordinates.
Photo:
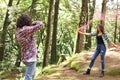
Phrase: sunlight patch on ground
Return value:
(54, 75)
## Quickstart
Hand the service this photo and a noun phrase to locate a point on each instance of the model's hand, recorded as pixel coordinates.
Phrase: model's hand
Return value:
(115, 46)
(80, 32)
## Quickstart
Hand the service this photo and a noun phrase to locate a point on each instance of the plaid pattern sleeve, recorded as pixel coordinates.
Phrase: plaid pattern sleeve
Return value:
(106, 40)
(25, 38)
(29, 30)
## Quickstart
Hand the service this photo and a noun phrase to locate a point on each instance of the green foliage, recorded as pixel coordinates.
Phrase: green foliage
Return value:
(13, 73)
(75, 65)
(114, 72)
(76, 57)
(50, 69)
(76, 61)
(67, 27)
(68, 21)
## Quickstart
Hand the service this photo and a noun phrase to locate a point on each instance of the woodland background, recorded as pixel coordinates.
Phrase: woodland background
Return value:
(62, 18)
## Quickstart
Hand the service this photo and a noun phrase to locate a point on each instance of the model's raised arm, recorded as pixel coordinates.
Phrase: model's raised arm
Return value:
(80, 32)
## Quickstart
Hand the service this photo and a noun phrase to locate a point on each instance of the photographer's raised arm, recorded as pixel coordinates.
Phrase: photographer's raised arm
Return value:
(30, 30)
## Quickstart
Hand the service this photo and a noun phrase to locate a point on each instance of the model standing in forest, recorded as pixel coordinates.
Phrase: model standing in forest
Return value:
(102, 44)
(25, 37)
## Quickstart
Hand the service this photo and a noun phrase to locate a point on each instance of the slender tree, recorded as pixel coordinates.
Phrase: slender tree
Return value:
(119, 35)
(49, 26)
(18, 2)
(103, 11)
(4, 31)
(82, 22)
(18, 59)
(54, 35)
(90, 17)
(32, 8)
(116, 23)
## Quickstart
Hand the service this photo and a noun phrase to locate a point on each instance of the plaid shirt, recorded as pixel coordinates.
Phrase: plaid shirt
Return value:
(25, 38)
(104, 37)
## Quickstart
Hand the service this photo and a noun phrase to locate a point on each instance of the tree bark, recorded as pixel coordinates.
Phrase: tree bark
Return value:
(49, 26)
(82, 22)
(116, 22)
(32, 11)
(91, 14)
(103, 12)
(119, 35)
(18, 2)
(115, 32)
(18, 60)
(54, 35)
(4, 31)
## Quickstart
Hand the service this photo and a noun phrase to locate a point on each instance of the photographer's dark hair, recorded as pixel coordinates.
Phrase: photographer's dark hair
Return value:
(101, 28)
(23, 20)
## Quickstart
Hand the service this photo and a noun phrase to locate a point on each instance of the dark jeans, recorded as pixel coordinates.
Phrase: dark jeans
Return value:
(101, 49)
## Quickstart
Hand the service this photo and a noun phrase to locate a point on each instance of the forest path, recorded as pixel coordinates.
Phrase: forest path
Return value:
(112, 60)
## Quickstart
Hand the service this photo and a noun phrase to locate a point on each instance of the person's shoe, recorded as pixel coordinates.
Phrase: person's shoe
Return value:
(87, 72)
(102, 74)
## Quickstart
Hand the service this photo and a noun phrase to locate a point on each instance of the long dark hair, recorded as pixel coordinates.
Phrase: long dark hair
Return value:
(23, 20)
(101, 28)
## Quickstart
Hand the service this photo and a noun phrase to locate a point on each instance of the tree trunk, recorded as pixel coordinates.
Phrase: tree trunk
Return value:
(103, 12)
(119, 35)
(91, 14)
(49, 26)
(18, 60)
(4, 31)
(116, 22)
(54, 35)
(18, 2)
(115, 32)
(32, 8)
(82, 22)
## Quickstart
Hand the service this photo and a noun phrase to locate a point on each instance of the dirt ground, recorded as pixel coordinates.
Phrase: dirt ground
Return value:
(112, 60)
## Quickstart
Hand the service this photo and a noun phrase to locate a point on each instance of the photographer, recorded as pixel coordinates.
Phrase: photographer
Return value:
(25, 37)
